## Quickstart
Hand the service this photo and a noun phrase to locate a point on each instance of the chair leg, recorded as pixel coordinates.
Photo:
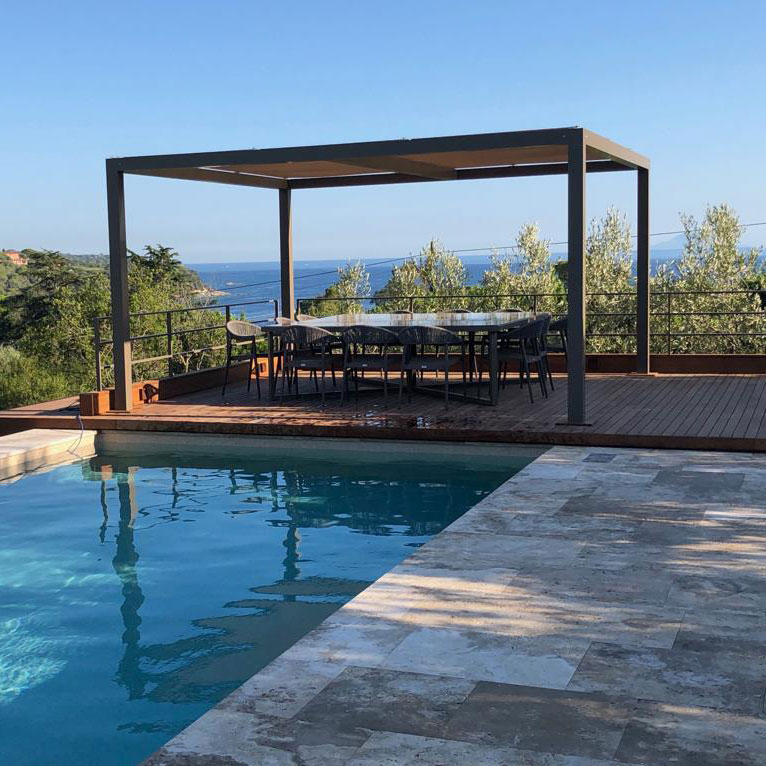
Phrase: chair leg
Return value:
(541, 378)
(226, 372)
(462, 365)
(257, 374)
(526, 374)
(323, 382)
(250, 365)
(401, 387)
(284, 377)
(356, 388)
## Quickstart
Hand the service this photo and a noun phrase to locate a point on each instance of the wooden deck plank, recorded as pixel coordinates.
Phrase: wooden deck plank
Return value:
(691, 411)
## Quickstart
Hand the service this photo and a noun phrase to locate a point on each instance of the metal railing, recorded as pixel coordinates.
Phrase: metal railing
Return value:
(664, 311)
(169, 332)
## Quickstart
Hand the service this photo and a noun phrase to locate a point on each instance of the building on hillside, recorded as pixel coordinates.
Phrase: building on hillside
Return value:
(16, 257)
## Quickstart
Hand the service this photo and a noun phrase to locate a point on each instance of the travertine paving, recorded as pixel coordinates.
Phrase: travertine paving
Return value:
(602, 607)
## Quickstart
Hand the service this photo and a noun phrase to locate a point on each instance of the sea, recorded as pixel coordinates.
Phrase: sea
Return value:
(243, 282)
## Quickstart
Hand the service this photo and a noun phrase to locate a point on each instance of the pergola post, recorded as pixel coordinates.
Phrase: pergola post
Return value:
(118, 276)
(576, 281)
(643, 275)
(286, 255)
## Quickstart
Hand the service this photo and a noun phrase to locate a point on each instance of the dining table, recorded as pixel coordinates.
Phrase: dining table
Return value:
(489, 324)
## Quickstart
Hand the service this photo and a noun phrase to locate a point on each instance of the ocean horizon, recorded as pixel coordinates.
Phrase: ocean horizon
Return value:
(246, 281)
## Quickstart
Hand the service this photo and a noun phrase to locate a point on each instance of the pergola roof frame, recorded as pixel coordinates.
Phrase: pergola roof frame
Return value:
(570, 151)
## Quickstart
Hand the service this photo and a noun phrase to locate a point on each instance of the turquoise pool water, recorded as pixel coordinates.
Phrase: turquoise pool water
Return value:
(135, 592)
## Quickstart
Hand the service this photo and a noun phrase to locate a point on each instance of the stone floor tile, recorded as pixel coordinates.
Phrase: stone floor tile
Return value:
(453, 550)
(363, 641)
(730, 593)
(696, 556)
(222, 738)
(387, 700)
(692, 736)
(545, 661)
(388, 749)
(701, 484)
(544, 720)
(282, 688)
(638, 584)
(560, 524)
(725, 624)
(726, 681)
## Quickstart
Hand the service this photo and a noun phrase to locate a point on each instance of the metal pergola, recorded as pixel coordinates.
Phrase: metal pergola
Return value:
(573, 152)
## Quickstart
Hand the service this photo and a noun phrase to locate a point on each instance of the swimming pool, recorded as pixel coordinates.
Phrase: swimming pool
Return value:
(138, 588)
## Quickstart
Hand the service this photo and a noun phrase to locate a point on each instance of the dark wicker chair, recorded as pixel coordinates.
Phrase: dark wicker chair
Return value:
(308, 348)
(238, 333)
(560, 328)
(367, 348)
(528, 352)
(440, 339)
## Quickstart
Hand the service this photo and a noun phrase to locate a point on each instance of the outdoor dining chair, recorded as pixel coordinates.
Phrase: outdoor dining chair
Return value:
(524, 349)
(560, 328)
(442, 341)
(239, 332)
(367, 348)
(308, 348)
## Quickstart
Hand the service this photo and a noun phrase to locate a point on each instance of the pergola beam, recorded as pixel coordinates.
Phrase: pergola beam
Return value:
(337, 152)
(614, 151)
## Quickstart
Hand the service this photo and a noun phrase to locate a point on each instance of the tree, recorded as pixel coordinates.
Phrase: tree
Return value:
(609, 280)
(345, 296)
(710, 313)
(527, 279)
(432, 277)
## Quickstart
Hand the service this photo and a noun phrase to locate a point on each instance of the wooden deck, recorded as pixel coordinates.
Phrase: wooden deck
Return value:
(669, 411)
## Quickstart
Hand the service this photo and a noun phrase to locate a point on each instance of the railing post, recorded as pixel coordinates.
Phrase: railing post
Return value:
(412, 304)
(169, 341)
(534, 303)
(276, 309)
(667, 323)
(97, 346)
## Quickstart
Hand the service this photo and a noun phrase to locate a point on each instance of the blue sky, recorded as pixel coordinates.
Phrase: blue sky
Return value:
(681, 82)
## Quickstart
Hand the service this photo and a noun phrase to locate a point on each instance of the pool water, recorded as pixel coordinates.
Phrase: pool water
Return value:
(137, 591)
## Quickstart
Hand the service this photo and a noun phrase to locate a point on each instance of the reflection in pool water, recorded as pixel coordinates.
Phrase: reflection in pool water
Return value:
(135, 592)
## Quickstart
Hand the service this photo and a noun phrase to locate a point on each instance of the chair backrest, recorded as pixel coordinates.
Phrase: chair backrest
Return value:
(560, 325)
(304, 317)
(305, 335)
(242, 330)
(401, 311)
(546, 320)
(460, 311)
(429, 335)
(513, 310)
(367, 335)
(529, 331)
